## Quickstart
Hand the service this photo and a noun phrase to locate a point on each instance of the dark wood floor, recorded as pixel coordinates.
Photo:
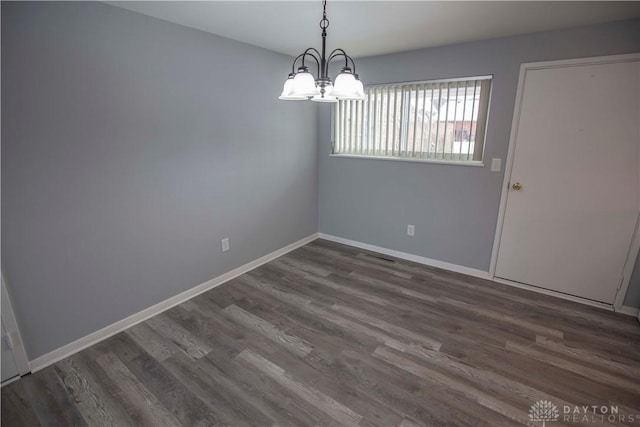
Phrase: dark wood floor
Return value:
(330, 335)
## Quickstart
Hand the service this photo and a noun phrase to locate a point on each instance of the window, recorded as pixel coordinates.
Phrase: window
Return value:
(441, 120)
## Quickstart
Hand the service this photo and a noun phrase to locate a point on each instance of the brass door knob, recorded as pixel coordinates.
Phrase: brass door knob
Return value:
(516, 186)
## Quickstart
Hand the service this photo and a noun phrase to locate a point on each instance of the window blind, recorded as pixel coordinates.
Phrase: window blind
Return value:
(441, 120)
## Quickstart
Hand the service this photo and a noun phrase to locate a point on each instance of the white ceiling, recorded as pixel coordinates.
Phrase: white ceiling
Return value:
(365, 28)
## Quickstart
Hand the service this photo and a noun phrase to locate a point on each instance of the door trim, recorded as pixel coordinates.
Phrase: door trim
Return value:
(11, 325)
(524, 68)
(627, 271)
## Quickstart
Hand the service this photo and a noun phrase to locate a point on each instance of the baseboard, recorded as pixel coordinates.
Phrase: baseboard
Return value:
(629, 311)
(409, 257)
(119, 326)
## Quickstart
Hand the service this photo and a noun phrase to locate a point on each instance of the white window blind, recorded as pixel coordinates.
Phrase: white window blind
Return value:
(436, 120)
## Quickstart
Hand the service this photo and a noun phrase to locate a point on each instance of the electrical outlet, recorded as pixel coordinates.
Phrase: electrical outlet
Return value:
(225, 244)
(411, 230)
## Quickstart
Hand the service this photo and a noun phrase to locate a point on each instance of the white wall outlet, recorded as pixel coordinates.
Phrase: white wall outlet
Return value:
(411, 230)
(496, 165)
(225, 244)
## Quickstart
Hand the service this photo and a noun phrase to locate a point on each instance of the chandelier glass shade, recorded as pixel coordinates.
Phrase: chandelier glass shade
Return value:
(302, 85)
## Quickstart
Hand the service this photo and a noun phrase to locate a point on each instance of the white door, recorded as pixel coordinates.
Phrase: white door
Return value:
(573, 197)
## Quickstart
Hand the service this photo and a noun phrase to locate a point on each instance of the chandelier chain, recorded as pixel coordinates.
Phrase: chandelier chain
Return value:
(324, 23)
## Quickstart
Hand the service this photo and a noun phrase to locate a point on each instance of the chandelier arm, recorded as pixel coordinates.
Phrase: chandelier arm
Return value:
(339, 52)
(317, 58)
(353, 64)
(307, 53)
(293, 66)
(347, 58)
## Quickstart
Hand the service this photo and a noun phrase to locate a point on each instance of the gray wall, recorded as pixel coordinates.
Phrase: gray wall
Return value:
(454, 208)
(131, 146)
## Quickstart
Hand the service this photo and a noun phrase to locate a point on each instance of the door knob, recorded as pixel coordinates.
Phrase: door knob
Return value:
(516, 186)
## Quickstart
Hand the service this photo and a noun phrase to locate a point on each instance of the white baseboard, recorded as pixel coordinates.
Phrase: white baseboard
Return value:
(629, 311)
(472, 272)
(409, 257)
(119, 326)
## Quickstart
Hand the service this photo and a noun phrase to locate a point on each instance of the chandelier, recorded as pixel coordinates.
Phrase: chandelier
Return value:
(302, 85)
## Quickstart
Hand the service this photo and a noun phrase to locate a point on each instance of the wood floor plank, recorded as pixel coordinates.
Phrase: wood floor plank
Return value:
(470, 392)
(575, 367)
(626, 370)
(332, 335)
(388, 327)
(123, 409)
(290, 342)
(300, 264)
(351, 262)
(327, 338)
(565, 385)
(151, 341)
(399, 391)
(52, 402)
(332, 408)
(95, 406)
(207, 387)
(482, 378)
(176, 399)
(336, 285)
(17, 409)
(317, 368)
(182, 338)
(262, 392)
(152, 411)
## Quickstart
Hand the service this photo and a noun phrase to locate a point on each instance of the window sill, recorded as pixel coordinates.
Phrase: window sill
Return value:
(474, 163)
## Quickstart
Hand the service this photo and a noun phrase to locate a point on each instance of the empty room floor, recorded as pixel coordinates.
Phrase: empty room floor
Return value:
(334, 335)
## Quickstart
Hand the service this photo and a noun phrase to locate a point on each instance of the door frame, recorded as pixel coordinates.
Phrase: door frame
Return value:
(635, 243)
(11, 325)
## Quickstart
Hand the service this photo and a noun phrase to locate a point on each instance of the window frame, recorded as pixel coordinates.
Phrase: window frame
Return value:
(483, 120)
